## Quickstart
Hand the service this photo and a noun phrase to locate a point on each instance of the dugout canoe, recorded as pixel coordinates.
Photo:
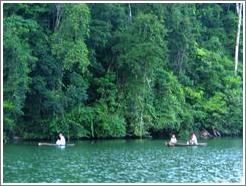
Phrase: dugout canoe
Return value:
(53, 144)
(185, 144)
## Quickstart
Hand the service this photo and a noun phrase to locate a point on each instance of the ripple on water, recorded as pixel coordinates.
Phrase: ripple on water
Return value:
(125, 162)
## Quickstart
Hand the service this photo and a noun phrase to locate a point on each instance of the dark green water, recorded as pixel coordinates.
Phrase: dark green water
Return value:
(124, 161)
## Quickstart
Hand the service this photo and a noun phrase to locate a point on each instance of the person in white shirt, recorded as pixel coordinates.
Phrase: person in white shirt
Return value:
(173, 140)
(193, 139)
(62, 140)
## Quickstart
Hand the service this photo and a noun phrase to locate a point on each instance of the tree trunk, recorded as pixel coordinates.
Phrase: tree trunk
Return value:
(239, 12)
(130, 12)
(141, 124)
(92, 129)
(58, 16)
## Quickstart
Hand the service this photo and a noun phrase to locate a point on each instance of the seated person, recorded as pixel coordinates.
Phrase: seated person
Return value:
(62, 140)
(173, 140)
(193, 139)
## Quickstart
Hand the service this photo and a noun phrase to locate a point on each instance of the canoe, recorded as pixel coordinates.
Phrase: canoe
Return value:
(185, 145)
(53, 144)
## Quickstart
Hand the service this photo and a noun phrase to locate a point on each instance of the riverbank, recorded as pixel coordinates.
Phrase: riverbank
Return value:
(19, 139)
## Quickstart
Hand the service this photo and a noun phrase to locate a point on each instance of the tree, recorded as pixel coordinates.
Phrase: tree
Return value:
(121, 70)
(239, 12)
(18, 63)
(142, 51)
(69, 49)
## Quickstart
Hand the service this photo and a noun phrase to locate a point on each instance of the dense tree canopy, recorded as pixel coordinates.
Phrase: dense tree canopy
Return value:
(120, 70)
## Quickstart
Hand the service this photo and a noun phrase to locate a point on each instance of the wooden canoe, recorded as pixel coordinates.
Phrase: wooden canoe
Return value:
(185, 145)
(53, 144)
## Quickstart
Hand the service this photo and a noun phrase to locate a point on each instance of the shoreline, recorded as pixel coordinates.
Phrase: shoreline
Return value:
(117, 139)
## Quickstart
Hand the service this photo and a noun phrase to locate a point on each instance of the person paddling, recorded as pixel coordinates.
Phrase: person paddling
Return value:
(173, 140)
(61, 141)
(193, 139)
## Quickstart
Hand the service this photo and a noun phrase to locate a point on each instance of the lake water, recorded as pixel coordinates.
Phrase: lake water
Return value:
(124, 161)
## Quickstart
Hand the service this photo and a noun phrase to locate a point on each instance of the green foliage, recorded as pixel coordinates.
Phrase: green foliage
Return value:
(97, 71)
(76, 123)
(68, 40)
(18, 62)
(168, 101)
(141, 48)
(108, 124)
(68, 46)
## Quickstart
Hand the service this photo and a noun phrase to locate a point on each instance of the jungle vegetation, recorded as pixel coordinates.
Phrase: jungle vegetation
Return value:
(120, 70)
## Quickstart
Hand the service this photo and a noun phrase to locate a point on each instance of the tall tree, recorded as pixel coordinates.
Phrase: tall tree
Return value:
(239, 12)
(18, 63)
(69, 48)
(142, 51)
